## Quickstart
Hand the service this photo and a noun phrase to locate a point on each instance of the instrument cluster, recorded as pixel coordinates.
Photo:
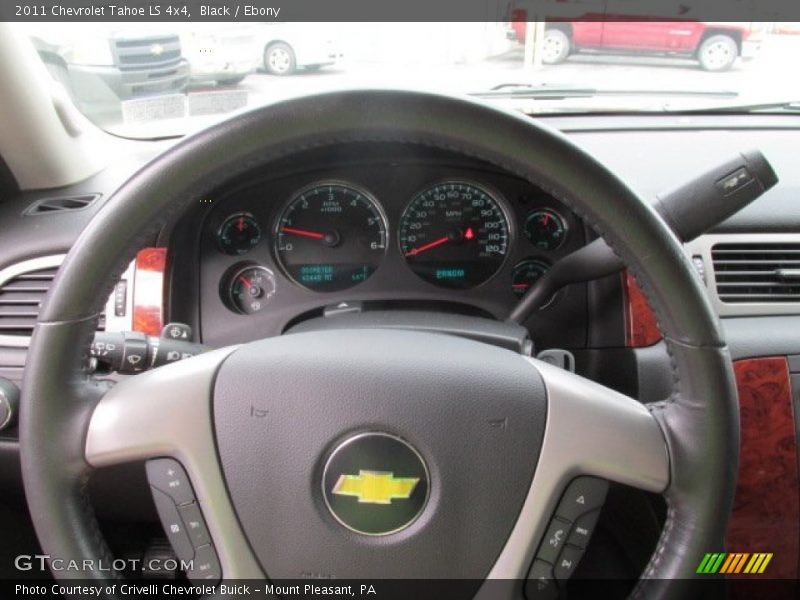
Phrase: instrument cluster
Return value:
(333, 235)
(382, 234)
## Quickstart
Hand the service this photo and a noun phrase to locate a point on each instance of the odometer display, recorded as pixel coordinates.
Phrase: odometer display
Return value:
(454, 235)
(330, 237)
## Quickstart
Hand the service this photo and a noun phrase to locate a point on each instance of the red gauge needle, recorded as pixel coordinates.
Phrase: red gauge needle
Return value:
(241, 224)
(546, 219)
(521, 286)
(303, 232)
(433, 244)
(246, 281)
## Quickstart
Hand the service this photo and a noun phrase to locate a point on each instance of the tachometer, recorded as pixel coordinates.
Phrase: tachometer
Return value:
(331, 236)
(455, 235)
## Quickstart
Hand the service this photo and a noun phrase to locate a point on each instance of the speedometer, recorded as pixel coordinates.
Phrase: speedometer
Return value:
(455, 235)
(331, 236)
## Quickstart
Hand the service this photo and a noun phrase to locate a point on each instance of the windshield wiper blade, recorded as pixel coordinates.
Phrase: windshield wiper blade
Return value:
(791, 106)
(544, 91)
(549, 92)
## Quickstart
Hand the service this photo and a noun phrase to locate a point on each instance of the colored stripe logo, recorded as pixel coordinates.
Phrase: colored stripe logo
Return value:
(734, 562)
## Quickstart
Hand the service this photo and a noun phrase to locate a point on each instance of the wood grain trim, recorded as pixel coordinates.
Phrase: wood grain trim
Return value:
(641, 327)
(148, 290)
(766, 511)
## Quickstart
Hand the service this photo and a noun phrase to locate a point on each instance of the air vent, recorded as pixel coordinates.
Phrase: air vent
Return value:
(757, 272)
(20, 299)
(48, 206)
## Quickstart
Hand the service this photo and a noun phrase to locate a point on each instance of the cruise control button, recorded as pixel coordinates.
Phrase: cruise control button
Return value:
(540, 584)
(567, 563)
(553, 541)
(168, 475)
(173, 525)
(583, 529)
(205, 566)
(195, 525)
(583, 495)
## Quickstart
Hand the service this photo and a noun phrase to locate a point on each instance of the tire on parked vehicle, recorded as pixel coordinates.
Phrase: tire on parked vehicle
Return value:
(718, 53)
(556, 46)
(279, 59)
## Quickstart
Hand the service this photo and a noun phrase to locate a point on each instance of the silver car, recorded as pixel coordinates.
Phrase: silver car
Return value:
(286, 47)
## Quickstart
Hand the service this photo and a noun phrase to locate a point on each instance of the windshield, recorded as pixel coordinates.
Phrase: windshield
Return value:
(150, 80)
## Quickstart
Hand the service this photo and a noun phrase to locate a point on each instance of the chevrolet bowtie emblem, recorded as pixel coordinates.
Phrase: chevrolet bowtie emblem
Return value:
(375, 487)
(375, 483)
(156, 49)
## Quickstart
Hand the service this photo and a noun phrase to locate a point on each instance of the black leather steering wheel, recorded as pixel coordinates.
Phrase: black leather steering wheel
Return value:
(557, 425)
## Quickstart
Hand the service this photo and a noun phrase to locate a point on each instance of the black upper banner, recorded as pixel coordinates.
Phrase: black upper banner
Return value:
(398, 10)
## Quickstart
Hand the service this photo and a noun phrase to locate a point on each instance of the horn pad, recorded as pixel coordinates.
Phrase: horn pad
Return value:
(377, 453)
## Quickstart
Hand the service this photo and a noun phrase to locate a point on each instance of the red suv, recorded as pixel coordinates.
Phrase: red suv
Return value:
(715, 45)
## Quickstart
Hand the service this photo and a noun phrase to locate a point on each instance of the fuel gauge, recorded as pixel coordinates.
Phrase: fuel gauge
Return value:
(248, 289)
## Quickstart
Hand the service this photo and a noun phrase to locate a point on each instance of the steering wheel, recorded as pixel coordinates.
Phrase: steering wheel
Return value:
(274, 435)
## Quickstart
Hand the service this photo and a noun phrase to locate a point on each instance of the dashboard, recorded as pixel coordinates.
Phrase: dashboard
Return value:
(245, 224)
(375, 227)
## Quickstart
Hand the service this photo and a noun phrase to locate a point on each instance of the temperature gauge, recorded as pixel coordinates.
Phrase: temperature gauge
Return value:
(238, 234)
(248, 289)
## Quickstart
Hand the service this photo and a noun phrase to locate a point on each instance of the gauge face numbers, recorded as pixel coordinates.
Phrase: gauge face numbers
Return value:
(526, 274)
(238, 234)
(248, 289)
(454, 235)
(330, 237)
(546, 229)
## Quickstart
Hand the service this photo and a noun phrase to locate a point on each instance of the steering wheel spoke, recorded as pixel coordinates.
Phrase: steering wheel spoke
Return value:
(591, 431)
(167, 413)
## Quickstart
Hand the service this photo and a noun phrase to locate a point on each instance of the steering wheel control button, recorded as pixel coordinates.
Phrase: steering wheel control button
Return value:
(375, 484)
(553, 541)
(173, 525)
(167, 475)
(540, 584)
(205, 566)
(583, 495)
(195, 525)
(583, 529)
(567, 562)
